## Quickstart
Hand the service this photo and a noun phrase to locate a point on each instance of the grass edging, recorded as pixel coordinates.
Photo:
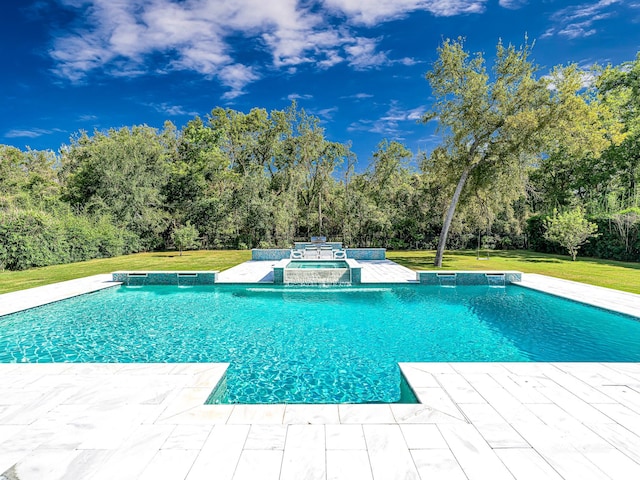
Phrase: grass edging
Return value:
(623, 276)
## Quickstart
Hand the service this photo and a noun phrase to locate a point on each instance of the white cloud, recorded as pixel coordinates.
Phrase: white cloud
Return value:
(407, 61)
(578, 21)
(577, 30)
(585, 10)
(172, 110)
(549, 32)
(416, 114)
(362, 54)
(332, 58)
(32, 133)
(371, 12)
(303, 40)
(326, 113)
(118, 36)
(392, 123)
(299, 96)
(131, 37)
(236, 77)
(359, 96)
(513, 4)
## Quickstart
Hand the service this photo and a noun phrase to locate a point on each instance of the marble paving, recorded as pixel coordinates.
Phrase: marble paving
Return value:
(616, 300)
(386, 271)
(252, 271)
(476, 421)
(34, 297)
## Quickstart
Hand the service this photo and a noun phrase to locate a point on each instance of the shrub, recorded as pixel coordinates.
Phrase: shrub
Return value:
(185, 238)
(31, 239)
(607, 244)
(37, 238)
(570, 229)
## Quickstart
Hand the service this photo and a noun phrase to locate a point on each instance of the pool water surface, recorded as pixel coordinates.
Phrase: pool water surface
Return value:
(317, 264)
(317, 345)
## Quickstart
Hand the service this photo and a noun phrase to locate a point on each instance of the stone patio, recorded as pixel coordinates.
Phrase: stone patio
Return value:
(475, 420)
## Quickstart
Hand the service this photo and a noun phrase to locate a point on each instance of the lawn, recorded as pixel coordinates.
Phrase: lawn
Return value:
(191, 260)
(619, 275)
(605, 273)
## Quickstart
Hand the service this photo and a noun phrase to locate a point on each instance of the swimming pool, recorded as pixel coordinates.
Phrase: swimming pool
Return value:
(316, 345)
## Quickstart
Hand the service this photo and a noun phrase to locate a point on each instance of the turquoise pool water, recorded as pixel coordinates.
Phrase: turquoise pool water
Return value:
(316, 345)
(317, 264)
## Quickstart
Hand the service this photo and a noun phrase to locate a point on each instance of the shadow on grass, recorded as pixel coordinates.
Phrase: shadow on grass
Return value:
(423, 260)
(554, 258)
(631, 265)
(524, 257)
(415, 263)
(540, 260)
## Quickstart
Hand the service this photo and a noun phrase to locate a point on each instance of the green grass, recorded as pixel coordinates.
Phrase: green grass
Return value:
(619, 275)
(191, 260)
(605, 273)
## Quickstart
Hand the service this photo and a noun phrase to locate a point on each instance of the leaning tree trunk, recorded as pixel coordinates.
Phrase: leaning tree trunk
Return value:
(444, 233)
(320, 213)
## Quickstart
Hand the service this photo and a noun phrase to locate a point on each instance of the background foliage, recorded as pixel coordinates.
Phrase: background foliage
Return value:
(265, 179)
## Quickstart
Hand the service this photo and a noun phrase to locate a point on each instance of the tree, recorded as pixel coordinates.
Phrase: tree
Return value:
(621, 86)
(312, 160)
(185, 237)
(498, 123)
(193, 165)
(388, 186)
(620, 90)
(121, 173)
(627, 224)
(27, 177)
(570, 229)
(200, 184)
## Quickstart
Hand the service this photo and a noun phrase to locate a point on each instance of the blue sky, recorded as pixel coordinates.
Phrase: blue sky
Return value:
(358, 65)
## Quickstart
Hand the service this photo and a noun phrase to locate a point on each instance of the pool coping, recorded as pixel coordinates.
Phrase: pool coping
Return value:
(607, 298)
(37, 296)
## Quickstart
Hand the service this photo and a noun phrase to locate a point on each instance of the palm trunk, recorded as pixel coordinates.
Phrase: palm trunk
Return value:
(444, 233)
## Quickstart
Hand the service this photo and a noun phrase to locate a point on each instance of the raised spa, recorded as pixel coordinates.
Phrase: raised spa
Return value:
(317, 272)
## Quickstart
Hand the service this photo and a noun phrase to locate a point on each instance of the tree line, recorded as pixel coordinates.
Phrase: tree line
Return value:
(515, 148)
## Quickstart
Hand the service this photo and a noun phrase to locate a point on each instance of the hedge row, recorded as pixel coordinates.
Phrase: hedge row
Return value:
(35, 238)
